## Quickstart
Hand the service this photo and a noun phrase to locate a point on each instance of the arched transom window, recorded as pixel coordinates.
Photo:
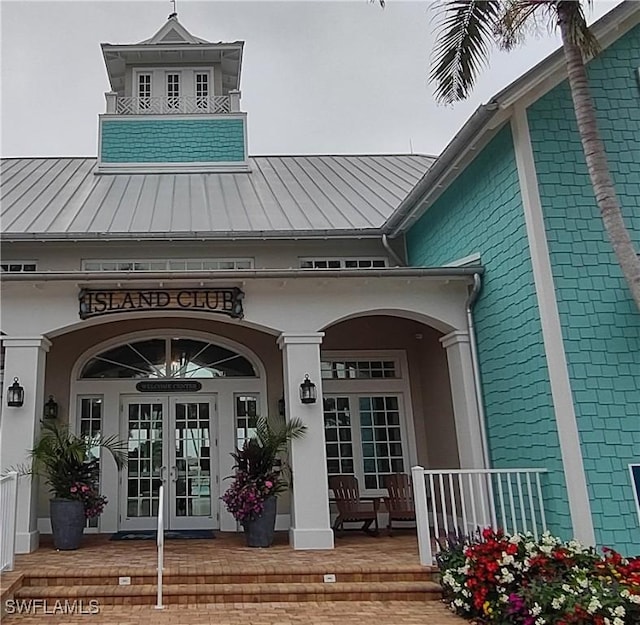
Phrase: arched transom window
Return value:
(168, 358)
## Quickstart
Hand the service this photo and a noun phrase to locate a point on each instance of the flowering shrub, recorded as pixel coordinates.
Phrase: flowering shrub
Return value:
(497, 578)
(258, 468)
(88, 494)
(246, 496)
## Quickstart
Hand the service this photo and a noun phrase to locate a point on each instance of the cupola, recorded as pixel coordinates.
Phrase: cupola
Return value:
(174, 105)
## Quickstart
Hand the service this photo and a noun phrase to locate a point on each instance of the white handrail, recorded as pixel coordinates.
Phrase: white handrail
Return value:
(8, 514)
(160, 543)
(445, 502)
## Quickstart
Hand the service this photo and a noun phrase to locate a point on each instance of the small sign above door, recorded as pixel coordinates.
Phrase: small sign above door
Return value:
(168, 386)
(96, 302)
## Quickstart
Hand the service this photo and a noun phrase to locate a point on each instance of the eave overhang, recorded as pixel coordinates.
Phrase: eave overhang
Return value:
(489, 118)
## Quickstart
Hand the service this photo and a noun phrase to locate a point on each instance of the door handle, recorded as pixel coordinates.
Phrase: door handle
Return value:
(162, 472)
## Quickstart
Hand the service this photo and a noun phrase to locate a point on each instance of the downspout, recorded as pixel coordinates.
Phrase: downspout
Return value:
(385, 243)
(475, 364)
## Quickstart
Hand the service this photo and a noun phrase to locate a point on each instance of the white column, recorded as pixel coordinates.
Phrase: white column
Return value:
(111, 99)
(310, 522)
(25, 359)
(234, 101)
(465, 408)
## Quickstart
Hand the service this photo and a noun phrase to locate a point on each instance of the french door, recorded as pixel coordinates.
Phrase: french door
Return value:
(365, 436)
(171, 441)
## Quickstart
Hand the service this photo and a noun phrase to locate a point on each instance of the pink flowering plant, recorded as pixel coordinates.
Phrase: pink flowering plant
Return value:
(88, 494)
(258, 468)
(518, 579)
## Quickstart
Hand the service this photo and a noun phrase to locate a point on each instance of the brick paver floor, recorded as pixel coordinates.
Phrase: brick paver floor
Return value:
(228, 552)
(326, 613)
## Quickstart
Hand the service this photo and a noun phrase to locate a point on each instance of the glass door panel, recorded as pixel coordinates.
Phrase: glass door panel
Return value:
(141, 478)
(191, 477)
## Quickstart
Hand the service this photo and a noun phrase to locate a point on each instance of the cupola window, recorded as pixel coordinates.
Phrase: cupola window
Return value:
(173, 91)
(144, 90)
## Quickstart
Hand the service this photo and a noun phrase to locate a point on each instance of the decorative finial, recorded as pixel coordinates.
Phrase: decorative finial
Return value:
(175, 11)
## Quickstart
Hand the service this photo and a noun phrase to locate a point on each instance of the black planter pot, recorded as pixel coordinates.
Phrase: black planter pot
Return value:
(67, 523)
(260, 531)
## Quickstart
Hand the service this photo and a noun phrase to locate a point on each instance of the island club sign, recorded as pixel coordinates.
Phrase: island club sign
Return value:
(96, 302)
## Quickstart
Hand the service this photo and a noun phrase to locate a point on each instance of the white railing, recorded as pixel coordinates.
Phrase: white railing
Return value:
(8, 512)
(185, 105)
(462, 500)
(160, 543)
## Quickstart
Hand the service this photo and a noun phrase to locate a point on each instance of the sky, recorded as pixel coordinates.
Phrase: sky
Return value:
(318, 76)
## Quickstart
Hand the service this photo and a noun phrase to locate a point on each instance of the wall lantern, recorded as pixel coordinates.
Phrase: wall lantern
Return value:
(308, 393)
(51, 408)
(15, 394)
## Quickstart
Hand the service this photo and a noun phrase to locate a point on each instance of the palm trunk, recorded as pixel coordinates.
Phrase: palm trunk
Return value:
(597, 162)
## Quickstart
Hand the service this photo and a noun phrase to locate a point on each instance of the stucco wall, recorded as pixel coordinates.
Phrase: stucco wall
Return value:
(482, 213)
(600, 325)
(56, 256)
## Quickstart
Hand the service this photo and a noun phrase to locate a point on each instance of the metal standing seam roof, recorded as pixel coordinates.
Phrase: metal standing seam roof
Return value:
(281, 195)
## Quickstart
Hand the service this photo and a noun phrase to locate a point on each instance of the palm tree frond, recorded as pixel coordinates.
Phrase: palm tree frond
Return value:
(465, 30)
(516, 22)
(578, 32)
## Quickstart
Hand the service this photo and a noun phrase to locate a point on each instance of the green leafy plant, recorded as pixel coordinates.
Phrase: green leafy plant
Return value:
(259, 471)
(68, 465)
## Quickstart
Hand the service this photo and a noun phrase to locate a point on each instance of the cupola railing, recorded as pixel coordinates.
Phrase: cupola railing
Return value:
(173, 105)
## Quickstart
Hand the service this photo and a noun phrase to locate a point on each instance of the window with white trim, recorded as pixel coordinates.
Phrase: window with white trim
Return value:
(173, 91)
(90, 426)
(358, 369)
(18, 266)
(343, 263)
(167, 358)
(144, 90)
(202, 89)
(246, 406)
(180, 264)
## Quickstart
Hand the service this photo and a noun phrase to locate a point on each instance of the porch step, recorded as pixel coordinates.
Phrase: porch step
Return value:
(193, 593)
(218, 585)
(149, 577)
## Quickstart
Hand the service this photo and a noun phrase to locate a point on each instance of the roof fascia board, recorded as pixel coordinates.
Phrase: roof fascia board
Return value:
(285, 235)
(108, 47)
(461, 273)
(525, 91)
(453, 166)
(551, 71)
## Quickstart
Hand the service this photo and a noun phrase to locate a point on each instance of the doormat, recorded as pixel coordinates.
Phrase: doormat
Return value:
(168, 535)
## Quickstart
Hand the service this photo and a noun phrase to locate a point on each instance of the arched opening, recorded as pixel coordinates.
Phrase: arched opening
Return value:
(387, 398)
(182, 393)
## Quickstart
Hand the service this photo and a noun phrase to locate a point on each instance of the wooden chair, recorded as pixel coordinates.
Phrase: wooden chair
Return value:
(351, 508)
(399, 502)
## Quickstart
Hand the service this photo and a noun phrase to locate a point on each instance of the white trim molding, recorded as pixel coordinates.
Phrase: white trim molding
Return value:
(567, 426)
(471, 260)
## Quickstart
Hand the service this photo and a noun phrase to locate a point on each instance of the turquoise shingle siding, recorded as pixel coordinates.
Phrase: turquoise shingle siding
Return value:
(172, 140)
(601, 328)
(482, 212)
